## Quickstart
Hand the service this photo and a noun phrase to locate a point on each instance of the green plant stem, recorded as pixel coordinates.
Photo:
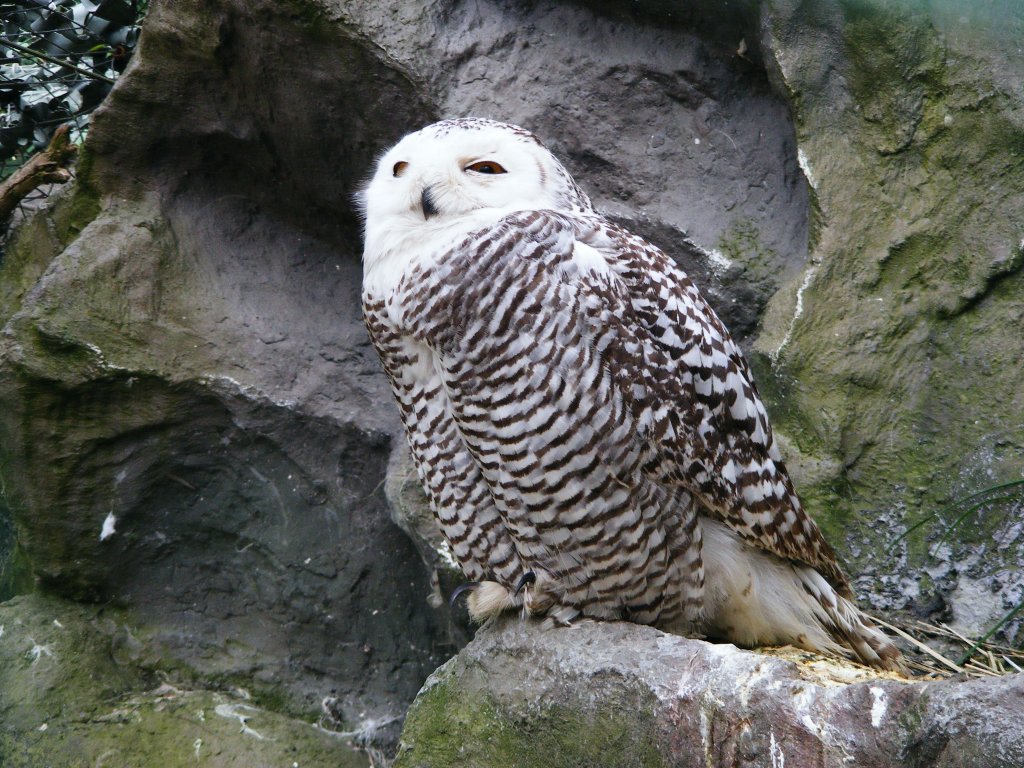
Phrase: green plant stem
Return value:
(970, 651)
(963, 516)
(949, 507)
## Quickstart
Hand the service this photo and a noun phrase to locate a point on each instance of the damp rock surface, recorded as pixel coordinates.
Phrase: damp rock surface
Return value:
(77, 687)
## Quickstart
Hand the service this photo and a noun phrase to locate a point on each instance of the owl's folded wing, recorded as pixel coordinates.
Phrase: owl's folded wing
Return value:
(701, 407)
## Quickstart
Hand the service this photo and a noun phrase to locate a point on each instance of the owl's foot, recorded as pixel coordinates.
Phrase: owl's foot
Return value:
(541, 597)
(486, 599)
(561, 616)
(526, 580)
(469, 586)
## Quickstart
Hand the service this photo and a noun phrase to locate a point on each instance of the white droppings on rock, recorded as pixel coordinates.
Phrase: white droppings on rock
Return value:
(719, 262)
(878, 706)
(108, 529)
(235, 711)
(38, 651)
(798, 312)
(778, 757)
(805, 166)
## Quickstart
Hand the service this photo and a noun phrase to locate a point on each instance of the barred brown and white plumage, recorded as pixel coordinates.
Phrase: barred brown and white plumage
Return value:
(588, 433)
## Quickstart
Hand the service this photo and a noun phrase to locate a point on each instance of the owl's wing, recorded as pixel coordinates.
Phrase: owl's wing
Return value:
(695, 393)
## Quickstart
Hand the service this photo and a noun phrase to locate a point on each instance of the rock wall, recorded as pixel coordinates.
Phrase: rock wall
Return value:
(893, 361)
(195, 430)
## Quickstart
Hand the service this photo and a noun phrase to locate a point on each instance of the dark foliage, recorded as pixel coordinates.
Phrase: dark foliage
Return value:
(58, 61)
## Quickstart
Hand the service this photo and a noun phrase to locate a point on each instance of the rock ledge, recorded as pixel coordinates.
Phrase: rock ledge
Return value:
(625, 695)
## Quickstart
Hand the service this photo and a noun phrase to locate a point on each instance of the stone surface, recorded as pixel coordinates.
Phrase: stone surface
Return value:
(194, 425)
(78, 687)
(624, 695)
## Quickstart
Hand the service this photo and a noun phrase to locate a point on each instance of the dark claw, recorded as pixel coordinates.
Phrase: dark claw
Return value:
(469, 586)
(528, 578)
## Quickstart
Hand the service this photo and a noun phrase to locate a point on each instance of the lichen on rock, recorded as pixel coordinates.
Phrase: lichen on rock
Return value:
(895, 367)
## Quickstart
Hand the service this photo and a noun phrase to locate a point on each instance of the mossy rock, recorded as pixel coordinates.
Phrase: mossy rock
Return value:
(891, 364)
(77, 687)
(456, 721)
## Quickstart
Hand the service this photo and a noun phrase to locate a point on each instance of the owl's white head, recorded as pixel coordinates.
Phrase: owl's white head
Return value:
(456, 175)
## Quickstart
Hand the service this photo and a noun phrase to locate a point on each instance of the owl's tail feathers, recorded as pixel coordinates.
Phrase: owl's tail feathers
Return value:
(754, 598)
(847, 624)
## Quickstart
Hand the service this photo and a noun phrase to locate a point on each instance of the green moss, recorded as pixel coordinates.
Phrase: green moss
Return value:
(39, 240)
(74, 692)
(896, 70)
(741, 243)
(904, 364)
(447, 727)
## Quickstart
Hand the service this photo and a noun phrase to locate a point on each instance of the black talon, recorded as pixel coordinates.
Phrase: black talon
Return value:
(528, 578)
(469, 586)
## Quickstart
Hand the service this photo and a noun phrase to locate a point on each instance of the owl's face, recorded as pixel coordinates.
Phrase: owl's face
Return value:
(452, 170)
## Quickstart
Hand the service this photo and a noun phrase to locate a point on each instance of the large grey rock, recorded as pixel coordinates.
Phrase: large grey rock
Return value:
(892, 364)
(194, 425)
(616, 694)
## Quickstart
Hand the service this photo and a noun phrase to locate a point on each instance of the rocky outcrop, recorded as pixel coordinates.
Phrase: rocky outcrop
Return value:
(194, 426)
(618, 694)
(885, 361)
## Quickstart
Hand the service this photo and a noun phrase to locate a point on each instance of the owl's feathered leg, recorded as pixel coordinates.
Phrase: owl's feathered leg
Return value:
(753, 598)
(486, 599)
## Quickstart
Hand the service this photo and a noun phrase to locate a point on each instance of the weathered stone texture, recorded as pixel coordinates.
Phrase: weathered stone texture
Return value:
(623, 695)
(77, 689)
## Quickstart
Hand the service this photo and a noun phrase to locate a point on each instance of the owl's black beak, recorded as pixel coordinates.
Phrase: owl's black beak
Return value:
(429, 208)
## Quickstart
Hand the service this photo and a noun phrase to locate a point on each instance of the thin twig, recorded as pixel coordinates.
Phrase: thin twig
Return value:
(44, 57)
(972, 666)
(917, 643)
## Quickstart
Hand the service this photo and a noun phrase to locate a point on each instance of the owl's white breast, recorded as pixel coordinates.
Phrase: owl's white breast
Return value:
(398, 244)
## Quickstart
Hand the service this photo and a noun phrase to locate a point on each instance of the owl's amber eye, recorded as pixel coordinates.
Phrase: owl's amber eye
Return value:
(486, 166)
(399, 168)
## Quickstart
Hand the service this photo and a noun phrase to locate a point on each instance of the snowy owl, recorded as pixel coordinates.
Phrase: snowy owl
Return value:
(586, 430)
